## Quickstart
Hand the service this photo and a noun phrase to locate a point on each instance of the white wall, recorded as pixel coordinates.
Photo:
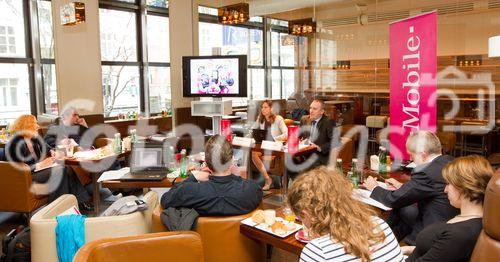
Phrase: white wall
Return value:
(78, 58)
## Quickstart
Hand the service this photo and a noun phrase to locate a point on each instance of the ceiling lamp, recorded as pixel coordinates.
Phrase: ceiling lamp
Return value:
(494, 46)
(302, 27)
(233, 14)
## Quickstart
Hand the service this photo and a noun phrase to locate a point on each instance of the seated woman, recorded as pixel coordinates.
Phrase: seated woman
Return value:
(467, 178)
(267, 120)
(26, 146)
(342, 229)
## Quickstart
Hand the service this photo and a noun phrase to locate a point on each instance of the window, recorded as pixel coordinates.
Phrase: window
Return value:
(246, 39)
(284, 48)
(7, 40)
(46, 36)
(14, 70)
(124, 64)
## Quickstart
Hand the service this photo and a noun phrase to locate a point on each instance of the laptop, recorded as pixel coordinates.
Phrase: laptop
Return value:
(146, 163)
(258, 135)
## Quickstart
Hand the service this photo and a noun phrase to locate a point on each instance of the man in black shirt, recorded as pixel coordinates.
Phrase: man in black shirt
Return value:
(218, 193)
(425, 189)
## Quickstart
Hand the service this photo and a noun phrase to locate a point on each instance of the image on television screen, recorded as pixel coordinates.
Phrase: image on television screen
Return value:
(214, 76)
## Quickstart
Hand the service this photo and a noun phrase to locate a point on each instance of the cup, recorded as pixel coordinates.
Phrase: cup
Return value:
(70, 150)
(127, 143)
(289, 215)
(60, 152)
(269, 216)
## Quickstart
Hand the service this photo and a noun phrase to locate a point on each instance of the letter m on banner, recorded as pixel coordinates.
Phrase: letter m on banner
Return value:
(413, 59)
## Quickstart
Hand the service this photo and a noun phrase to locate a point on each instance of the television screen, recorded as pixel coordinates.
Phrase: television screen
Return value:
(215, 76)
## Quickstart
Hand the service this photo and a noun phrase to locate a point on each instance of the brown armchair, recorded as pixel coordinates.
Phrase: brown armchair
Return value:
(167, 246)
(15, 192)
(488, 244)
(219, 233)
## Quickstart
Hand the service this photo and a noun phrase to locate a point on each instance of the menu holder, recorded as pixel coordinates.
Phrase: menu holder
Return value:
(242, 141)
(264, 227)
(271, 145)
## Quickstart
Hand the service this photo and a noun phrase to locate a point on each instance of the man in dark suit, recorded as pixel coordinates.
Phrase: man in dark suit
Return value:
(318, 128)
(422, 200)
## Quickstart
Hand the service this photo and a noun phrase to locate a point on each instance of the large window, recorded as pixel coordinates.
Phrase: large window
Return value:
(26, 51)
(14, 70)
(46, 36)
(244, 39)
(132, 51)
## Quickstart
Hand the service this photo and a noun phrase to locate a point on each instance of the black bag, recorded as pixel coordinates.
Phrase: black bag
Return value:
(16, 245)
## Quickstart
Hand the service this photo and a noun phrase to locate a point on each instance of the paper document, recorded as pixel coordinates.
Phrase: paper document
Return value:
(113, 174)
(411, 165)
(364, 196)
(43, 168)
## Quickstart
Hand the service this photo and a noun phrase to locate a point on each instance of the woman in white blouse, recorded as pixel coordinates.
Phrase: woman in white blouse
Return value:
(267, 120)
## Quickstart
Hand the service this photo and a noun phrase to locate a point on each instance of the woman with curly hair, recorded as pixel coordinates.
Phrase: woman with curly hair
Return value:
(467, 178)
(342, 228)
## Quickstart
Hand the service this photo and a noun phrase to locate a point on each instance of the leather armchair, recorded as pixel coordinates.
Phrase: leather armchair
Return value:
(176, 246)
(488, 244)
(221, 238)
(15, 191)
(43, 224)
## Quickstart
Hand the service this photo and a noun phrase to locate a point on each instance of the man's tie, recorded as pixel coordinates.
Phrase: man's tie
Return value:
(313, 130)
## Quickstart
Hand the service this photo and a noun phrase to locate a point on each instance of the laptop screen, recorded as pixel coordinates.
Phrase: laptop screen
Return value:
(146, 158)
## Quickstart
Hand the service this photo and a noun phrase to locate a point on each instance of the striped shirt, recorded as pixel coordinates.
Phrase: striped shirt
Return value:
(325, 249)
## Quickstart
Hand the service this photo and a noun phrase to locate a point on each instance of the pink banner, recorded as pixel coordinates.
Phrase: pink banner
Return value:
(413, 58)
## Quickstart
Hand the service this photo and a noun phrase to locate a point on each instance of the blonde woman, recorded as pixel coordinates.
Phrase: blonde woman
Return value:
(267, 120)
(26, 146)
(342, 228)
(454, 240)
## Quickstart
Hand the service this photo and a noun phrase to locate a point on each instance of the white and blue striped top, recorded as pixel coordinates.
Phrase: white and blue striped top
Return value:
(324, 249)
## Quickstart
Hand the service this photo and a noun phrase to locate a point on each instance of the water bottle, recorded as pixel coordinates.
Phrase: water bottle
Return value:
(117, 144)
(382, 161)
(339, 166)
(169, 158)
(183, 168)
(133, 136)
(353, 178)
(355, 170)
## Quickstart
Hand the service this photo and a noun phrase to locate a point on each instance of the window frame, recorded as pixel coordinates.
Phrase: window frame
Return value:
(141, 11)
(212, 19)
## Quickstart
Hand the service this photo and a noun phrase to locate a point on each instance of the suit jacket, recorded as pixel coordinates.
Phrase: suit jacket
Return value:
(426, 188)
(17, 150)
(323, 136)
(57, 132)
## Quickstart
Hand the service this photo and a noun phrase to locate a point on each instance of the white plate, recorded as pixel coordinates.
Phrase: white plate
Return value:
(266, 228)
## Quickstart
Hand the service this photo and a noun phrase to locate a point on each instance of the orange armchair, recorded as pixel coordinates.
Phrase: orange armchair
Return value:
(219, 233)
(167, 246)
(15, 192)
(488, 244)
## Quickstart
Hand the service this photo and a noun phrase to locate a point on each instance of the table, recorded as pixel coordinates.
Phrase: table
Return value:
(291, 244)
(95, 175)
(114, 184)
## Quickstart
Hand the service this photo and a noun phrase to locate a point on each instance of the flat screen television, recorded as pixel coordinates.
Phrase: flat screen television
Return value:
(214, 76)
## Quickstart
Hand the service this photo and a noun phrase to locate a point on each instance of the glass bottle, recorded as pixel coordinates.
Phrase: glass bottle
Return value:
(382, 159)
(353, 178)
(183, 167)
(355, 170)
(339, 166)
(117, 144)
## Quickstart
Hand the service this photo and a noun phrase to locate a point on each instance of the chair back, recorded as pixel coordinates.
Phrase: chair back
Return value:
(488, 244)
(166, 246)
(219, 233)
(15, 189)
